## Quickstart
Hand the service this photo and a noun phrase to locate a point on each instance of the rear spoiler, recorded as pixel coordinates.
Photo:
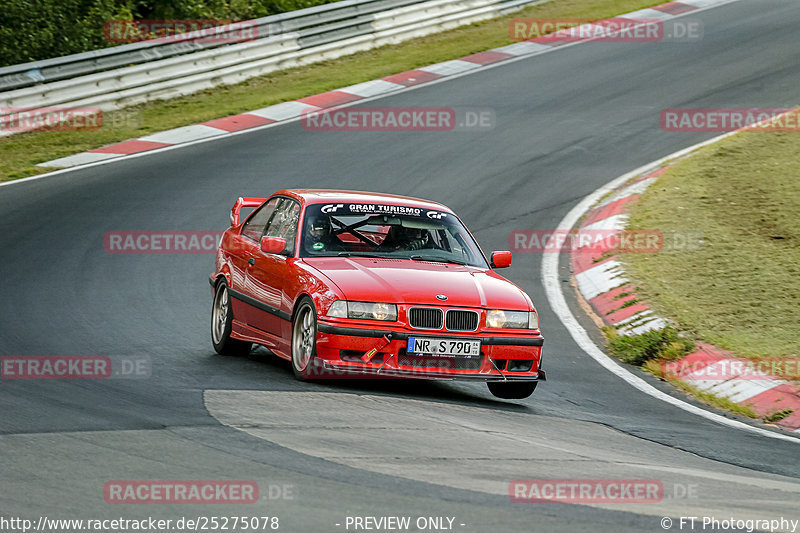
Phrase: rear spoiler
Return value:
(244, 202)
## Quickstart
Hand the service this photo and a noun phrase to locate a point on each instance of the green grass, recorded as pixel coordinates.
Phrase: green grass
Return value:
(653, 349)
(20, 153)
(714, 400)
(741, 289)
(777, 416)
(656, 367)
(658, 345)
(632, 301)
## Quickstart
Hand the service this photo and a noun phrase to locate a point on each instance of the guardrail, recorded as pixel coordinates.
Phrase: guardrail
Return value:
(131, 74)
(59, 68)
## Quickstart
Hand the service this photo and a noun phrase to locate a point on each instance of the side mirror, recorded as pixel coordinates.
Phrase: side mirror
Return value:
(273, 245)
(501, 259)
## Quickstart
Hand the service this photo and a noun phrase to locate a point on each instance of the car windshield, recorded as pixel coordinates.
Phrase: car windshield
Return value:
(388, 231)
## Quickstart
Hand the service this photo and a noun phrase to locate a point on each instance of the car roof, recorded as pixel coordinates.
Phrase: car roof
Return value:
(318, 196)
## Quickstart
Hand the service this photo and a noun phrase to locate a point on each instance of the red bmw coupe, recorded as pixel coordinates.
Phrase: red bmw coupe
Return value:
(347, 284)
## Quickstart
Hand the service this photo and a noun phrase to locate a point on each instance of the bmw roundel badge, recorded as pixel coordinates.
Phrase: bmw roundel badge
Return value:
(441, 297)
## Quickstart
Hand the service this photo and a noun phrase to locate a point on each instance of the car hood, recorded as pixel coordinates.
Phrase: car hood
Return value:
(417, 282)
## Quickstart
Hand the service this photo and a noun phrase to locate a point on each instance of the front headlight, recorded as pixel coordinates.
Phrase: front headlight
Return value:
(497, 318)
(363, 310)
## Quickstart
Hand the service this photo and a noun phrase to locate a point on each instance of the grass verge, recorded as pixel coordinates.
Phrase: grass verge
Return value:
(20, 153)
(714, 400)
(657, 345)
(652, 349)
(739, 290)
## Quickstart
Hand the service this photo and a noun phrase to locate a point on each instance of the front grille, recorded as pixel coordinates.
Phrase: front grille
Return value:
(425, 317)
(458, 320)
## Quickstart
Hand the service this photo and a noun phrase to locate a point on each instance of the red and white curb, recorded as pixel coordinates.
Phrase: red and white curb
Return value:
(292, 110)
(600, 277)
(602, 282)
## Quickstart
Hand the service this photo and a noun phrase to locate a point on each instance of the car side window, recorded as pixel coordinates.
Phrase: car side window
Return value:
(254, 227)
(284, 223)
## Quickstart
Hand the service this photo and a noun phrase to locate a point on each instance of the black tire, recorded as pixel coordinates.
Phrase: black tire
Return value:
(304, 341)
(221, 323)
(510, 390)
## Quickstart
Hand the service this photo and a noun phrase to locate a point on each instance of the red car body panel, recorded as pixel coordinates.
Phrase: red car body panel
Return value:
(265, 289)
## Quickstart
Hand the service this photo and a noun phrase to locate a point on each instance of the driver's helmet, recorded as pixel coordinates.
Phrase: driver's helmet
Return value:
(319, 227)
(410, 234)
(412, 238)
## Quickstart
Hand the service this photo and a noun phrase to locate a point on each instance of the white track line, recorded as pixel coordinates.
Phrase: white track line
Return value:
(552, 286)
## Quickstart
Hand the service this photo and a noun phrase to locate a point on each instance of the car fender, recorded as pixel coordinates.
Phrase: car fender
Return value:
(319, 287)
(522, 292)
(224, 272)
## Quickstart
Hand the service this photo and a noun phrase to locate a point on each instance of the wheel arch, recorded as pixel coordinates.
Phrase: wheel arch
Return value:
(225, 274)
(300, 298)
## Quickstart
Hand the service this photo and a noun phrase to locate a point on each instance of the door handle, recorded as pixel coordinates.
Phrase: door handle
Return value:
(252, 260)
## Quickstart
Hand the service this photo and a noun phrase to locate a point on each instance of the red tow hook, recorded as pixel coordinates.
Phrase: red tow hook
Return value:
(386, 339)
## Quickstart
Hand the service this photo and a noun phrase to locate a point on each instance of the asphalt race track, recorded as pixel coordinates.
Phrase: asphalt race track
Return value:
(566, 123)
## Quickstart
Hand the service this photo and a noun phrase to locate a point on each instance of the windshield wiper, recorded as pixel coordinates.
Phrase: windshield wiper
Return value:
(437, 260)
(361, 254)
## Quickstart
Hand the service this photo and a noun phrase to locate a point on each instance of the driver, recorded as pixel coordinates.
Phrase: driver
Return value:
(319, 235)
(411, 238)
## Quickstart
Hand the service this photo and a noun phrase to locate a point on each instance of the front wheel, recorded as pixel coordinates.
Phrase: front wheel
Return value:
(304, 340)
(222, 322)
(510, 390)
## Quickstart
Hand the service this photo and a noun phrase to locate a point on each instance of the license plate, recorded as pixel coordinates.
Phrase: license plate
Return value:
(443, 347)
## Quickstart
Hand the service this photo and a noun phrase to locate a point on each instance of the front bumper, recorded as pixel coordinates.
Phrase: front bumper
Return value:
(503, 357)
(348, 370)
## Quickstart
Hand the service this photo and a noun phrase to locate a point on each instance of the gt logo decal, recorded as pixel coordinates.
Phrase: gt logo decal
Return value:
(434, 214)
(331, 208)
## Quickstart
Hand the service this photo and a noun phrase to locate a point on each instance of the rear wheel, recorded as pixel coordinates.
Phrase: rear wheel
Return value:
(304, 340)
(510, 390)
(222, 322)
